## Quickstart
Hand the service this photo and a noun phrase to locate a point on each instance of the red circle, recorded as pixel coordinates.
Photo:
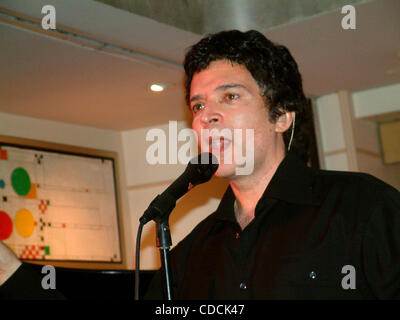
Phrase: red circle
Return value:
(5, 225)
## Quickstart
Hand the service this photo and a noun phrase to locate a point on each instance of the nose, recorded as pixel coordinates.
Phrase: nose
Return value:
(210, 116)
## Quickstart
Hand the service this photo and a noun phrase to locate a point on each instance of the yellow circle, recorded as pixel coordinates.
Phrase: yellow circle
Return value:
(24, 223)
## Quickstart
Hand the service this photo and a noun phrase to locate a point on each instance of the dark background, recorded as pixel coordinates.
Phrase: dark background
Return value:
(83, 284)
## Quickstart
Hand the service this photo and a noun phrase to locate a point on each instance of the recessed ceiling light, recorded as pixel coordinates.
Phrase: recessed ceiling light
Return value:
(157, 87)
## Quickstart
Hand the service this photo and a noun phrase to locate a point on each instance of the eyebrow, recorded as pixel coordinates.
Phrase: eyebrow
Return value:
(223, 87)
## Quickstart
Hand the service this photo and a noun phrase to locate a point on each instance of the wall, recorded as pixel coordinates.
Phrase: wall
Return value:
(348, 131)
(370, 108)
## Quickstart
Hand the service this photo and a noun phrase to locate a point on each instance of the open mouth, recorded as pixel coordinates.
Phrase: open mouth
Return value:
(218, 144)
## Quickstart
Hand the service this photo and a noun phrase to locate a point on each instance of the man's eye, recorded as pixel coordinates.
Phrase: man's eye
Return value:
(197, 107)
(232, 96)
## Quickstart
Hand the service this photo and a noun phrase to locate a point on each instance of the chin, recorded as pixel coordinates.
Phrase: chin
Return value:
(226, 171)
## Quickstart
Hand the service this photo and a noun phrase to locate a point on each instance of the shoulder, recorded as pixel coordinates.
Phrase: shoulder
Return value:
(354, 197)
(355, 181)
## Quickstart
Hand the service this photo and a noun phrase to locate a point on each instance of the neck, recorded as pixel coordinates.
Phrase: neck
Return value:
(249, 189)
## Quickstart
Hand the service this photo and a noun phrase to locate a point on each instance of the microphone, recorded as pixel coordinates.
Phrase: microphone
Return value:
(199, 170)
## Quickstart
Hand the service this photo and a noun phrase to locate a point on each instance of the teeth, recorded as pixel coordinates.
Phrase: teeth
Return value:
(218, 143)
(215, 143)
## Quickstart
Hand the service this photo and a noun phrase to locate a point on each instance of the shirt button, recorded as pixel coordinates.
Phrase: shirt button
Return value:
(237, 235)
(242, 286)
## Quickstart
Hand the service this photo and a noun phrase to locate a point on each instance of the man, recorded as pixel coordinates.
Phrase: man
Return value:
(284, 231)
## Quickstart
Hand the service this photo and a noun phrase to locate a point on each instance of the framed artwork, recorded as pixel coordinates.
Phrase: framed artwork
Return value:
(389, 137)
(59, 204)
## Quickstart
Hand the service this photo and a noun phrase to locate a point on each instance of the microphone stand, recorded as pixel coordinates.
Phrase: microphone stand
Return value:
(163, 238)
(159, 211)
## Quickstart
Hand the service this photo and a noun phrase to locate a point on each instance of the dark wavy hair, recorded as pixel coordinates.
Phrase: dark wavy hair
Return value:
(272, 67)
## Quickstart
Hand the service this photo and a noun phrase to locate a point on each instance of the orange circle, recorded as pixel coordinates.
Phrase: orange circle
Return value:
(24, 223)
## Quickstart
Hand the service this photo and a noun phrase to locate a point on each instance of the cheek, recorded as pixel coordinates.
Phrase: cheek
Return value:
(197, 129)
(262, 134)
(254, 123)
(195, 123)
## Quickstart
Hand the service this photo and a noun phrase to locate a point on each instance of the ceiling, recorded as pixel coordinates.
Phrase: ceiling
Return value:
(96, 68)
(208, 16)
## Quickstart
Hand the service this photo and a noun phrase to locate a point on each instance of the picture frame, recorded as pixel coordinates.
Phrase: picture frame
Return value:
(60, 204)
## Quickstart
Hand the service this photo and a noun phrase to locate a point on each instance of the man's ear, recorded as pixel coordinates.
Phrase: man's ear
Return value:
(284, 121)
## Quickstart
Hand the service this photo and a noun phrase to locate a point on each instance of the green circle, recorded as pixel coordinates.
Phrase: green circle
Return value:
(20, 181)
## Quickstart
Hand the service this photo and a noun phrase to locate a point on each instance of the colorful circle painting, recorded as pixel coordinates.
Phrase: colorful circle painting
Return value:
(24, 223)
(20, 181)
(5, 225)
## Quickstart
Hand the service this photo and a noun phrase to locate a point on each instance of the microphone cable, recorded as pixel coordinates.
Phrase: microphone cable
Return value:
(137, 255)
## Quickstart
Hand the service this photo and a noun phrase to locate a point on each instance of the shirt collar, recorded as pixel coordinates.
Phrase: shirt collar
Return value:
(292, 182)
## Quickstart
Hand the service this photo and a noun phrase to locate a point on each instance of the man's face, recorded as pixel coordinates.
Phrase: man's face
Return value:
(225, 97)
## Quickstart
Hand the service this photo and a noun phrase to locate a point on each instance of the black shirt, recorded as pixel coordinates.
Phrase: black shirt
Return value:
(316, 234)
